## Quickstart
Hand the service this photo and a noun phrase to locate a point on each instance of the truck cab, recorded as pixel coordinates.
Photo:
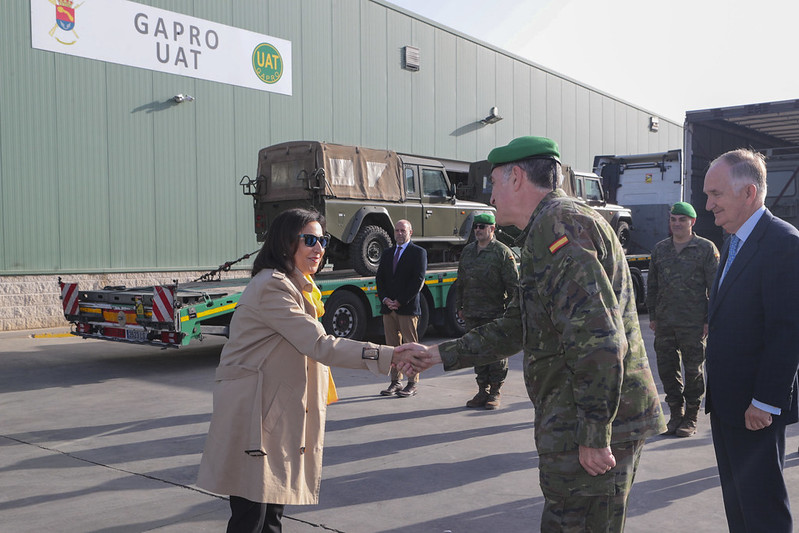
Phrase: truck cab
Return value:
(588, 187)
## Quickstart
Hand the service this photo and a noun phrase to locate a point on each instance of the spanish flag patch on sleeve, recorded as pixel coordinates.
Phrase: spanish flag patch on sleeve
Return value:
(558, 244)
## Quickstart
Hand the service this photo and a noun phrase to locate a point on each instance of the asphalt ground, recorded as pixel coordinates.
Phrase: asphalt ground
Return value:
(104, 437)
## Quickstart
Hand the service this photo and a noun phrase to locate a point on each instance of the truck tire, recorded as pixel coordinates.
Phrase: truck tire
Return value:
(623, 233)
(453, 326)
(366, 249)
(345, 316)
(639, 287)
(424, 319)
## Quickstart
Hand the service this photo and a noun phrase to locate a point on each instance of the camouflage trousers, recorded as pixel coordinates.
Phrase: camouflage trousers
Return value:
(491, 373)
(575, 501)
(676, 345)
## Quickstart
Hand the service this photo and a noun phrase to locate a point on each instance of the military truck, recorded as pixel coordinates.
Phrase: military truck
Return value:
(588, 187)
(362, 193)
(771, 128)
(584, 185)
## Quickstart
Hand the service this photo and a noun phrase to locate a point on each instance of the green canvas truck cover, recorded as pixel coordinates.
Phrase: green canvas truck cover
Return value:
(292, 170)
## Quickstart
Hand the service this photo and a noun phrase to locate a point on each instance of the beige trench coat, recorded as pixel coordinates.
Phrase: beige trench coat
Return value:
(270, 398)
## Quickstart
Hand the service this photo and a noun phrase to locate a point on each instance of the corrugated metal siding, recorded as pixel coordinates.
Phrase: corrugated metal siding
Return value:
(374, 82)
(313, 78)
(81, 207)
(419, 132)
(100, 170)
(131, 168)
(346, 58)
(401, 101)
(444, 62)
(465, 94)
(30, 147)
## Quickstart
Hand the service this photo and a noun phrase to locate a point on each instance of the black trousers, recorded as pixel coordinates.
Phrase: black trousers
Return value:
(254, 517)
(750, 469)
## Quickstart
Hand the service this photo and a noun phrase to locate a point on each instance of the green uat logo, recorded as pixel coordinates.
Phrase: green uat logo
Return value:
(267, 63)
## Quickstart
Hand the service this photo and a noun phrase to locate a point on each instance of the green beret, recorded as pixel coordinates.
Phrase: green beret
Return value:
(484, 218)
(683, 208)
(525, 148)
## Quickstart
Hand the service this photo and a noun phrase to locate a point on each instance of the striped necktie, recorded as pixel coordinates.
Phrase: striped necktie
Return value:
(396, 257)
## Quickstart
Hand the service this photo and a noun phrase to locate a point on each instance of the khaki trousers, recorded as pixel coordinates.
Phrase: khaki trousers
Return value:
(400, 329)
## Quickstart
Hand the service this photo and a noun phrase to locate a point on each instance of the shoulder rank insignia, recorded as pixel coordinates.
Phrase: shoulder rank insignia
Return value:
(558, 244)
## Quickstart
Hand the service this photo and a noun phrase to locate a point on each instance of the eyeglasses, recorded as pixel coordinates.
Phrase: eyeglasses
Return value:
(481, 226)
(310, 240)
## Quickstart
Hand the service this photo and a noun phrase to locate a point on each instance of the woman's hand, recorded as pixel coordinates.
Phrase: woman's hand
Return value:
(412, 358)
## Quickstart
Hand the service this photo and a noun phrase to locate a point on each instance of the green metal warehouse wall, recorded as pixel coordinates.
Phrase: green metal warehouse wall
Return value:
(100, 171)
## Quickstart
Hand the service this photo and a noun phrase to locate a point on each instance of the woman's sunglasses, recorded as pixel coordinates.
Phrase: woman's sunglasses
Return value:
(311, 240)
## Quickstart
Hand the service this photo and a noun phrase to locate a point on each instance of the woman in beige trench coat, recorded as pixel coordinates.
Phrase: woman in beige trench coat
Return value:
(264, 444)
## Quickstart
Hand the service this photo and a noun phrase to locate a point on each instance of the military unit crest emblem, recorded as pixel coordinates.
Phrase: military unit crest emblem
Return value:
(64, 21)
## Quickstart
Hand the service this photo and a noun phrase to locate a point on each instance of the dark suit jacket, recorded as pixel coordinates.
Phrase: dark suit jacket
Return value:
(753, 326)
(404, 284)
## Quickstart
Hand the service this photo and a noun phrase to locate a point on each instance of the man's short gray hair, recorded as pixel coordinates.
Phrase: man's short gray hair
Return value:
(543, 173)
(746, 166)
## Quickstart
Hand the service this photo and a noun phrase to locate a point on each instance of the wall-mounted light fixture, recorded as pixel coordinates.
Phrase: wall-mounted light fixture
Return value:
(654, 124)
(493, 116)
(180, 98)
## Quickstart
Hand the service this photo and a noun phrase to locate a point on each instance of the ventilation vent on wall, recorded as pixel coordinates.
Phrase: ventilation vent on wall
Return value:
(411, 58)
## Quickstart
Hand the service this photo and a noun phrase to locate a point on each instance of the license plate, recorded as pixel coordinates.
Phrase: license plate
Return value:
(138, 335)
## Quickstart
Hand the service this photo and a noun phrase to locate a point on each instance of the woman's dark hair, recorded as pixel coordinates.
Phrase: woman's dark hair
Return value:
(282, 239)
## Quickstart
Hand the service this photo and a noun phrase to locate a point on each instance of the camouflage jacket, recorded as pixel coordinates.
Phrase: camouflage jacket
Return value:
(678, 284)
(487, 280)
(585, 365)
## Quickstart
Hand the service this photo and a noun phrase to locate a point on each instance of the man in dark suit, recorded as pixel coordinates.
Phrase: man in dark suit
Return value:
(400, 277)
(753, 345)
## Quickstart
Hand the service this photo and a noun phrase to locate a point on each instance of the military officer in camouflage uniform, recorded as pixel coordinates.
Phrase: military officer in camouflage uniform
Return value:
(585, 365)
(681, 274)
(487, 280)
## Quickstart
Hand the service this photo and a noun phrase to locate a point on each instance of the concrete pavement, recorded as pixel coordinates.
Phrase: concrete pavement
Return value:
(104, 437)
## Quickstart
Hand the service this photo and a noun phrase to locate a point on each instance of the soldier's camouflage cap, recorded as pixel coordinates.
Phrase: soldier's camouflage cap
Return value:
(528, 147)
(683, 208)
(484, 218)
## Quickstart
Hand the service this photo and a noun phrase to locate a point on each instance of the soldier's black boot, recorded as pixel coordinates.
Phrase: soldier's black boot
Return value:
(677, 414)
(480, 398)
(688, 425)
(493, 396)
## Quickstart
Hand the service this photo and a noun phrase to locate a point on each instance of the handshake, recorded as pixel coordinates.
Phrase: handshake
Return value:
(413, 358)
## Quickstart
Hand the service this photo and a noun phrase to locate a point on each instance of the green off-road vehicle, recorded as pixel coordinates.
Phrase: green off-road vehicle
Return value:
(362, 193)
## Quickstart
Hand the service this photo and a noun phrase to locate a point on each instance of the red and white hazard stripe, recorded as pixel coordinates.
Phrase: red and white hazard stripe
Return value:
(69, 298)
(163, 303)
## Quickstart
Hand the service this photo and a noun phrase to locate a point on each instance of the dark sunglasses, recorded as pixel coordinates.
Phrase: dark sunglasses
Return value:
(311, 240)
(481, 226)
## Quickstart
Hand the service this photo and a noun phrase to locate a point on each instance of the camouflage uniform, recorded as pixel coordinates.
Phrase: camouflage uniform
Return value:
(585, 365)
(678, 286)
(487, 280)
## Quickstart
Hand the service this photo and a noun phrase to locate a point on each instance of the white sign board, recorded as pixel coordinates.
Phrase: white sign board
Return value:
(141, 36)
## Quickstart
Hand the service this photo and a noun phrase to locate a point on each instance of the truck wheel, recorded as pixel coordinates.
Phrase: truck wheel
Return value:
(639, 288)
(424, 319)
(366, 249)
(453, 326)
(623, 233)
(345, 316)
